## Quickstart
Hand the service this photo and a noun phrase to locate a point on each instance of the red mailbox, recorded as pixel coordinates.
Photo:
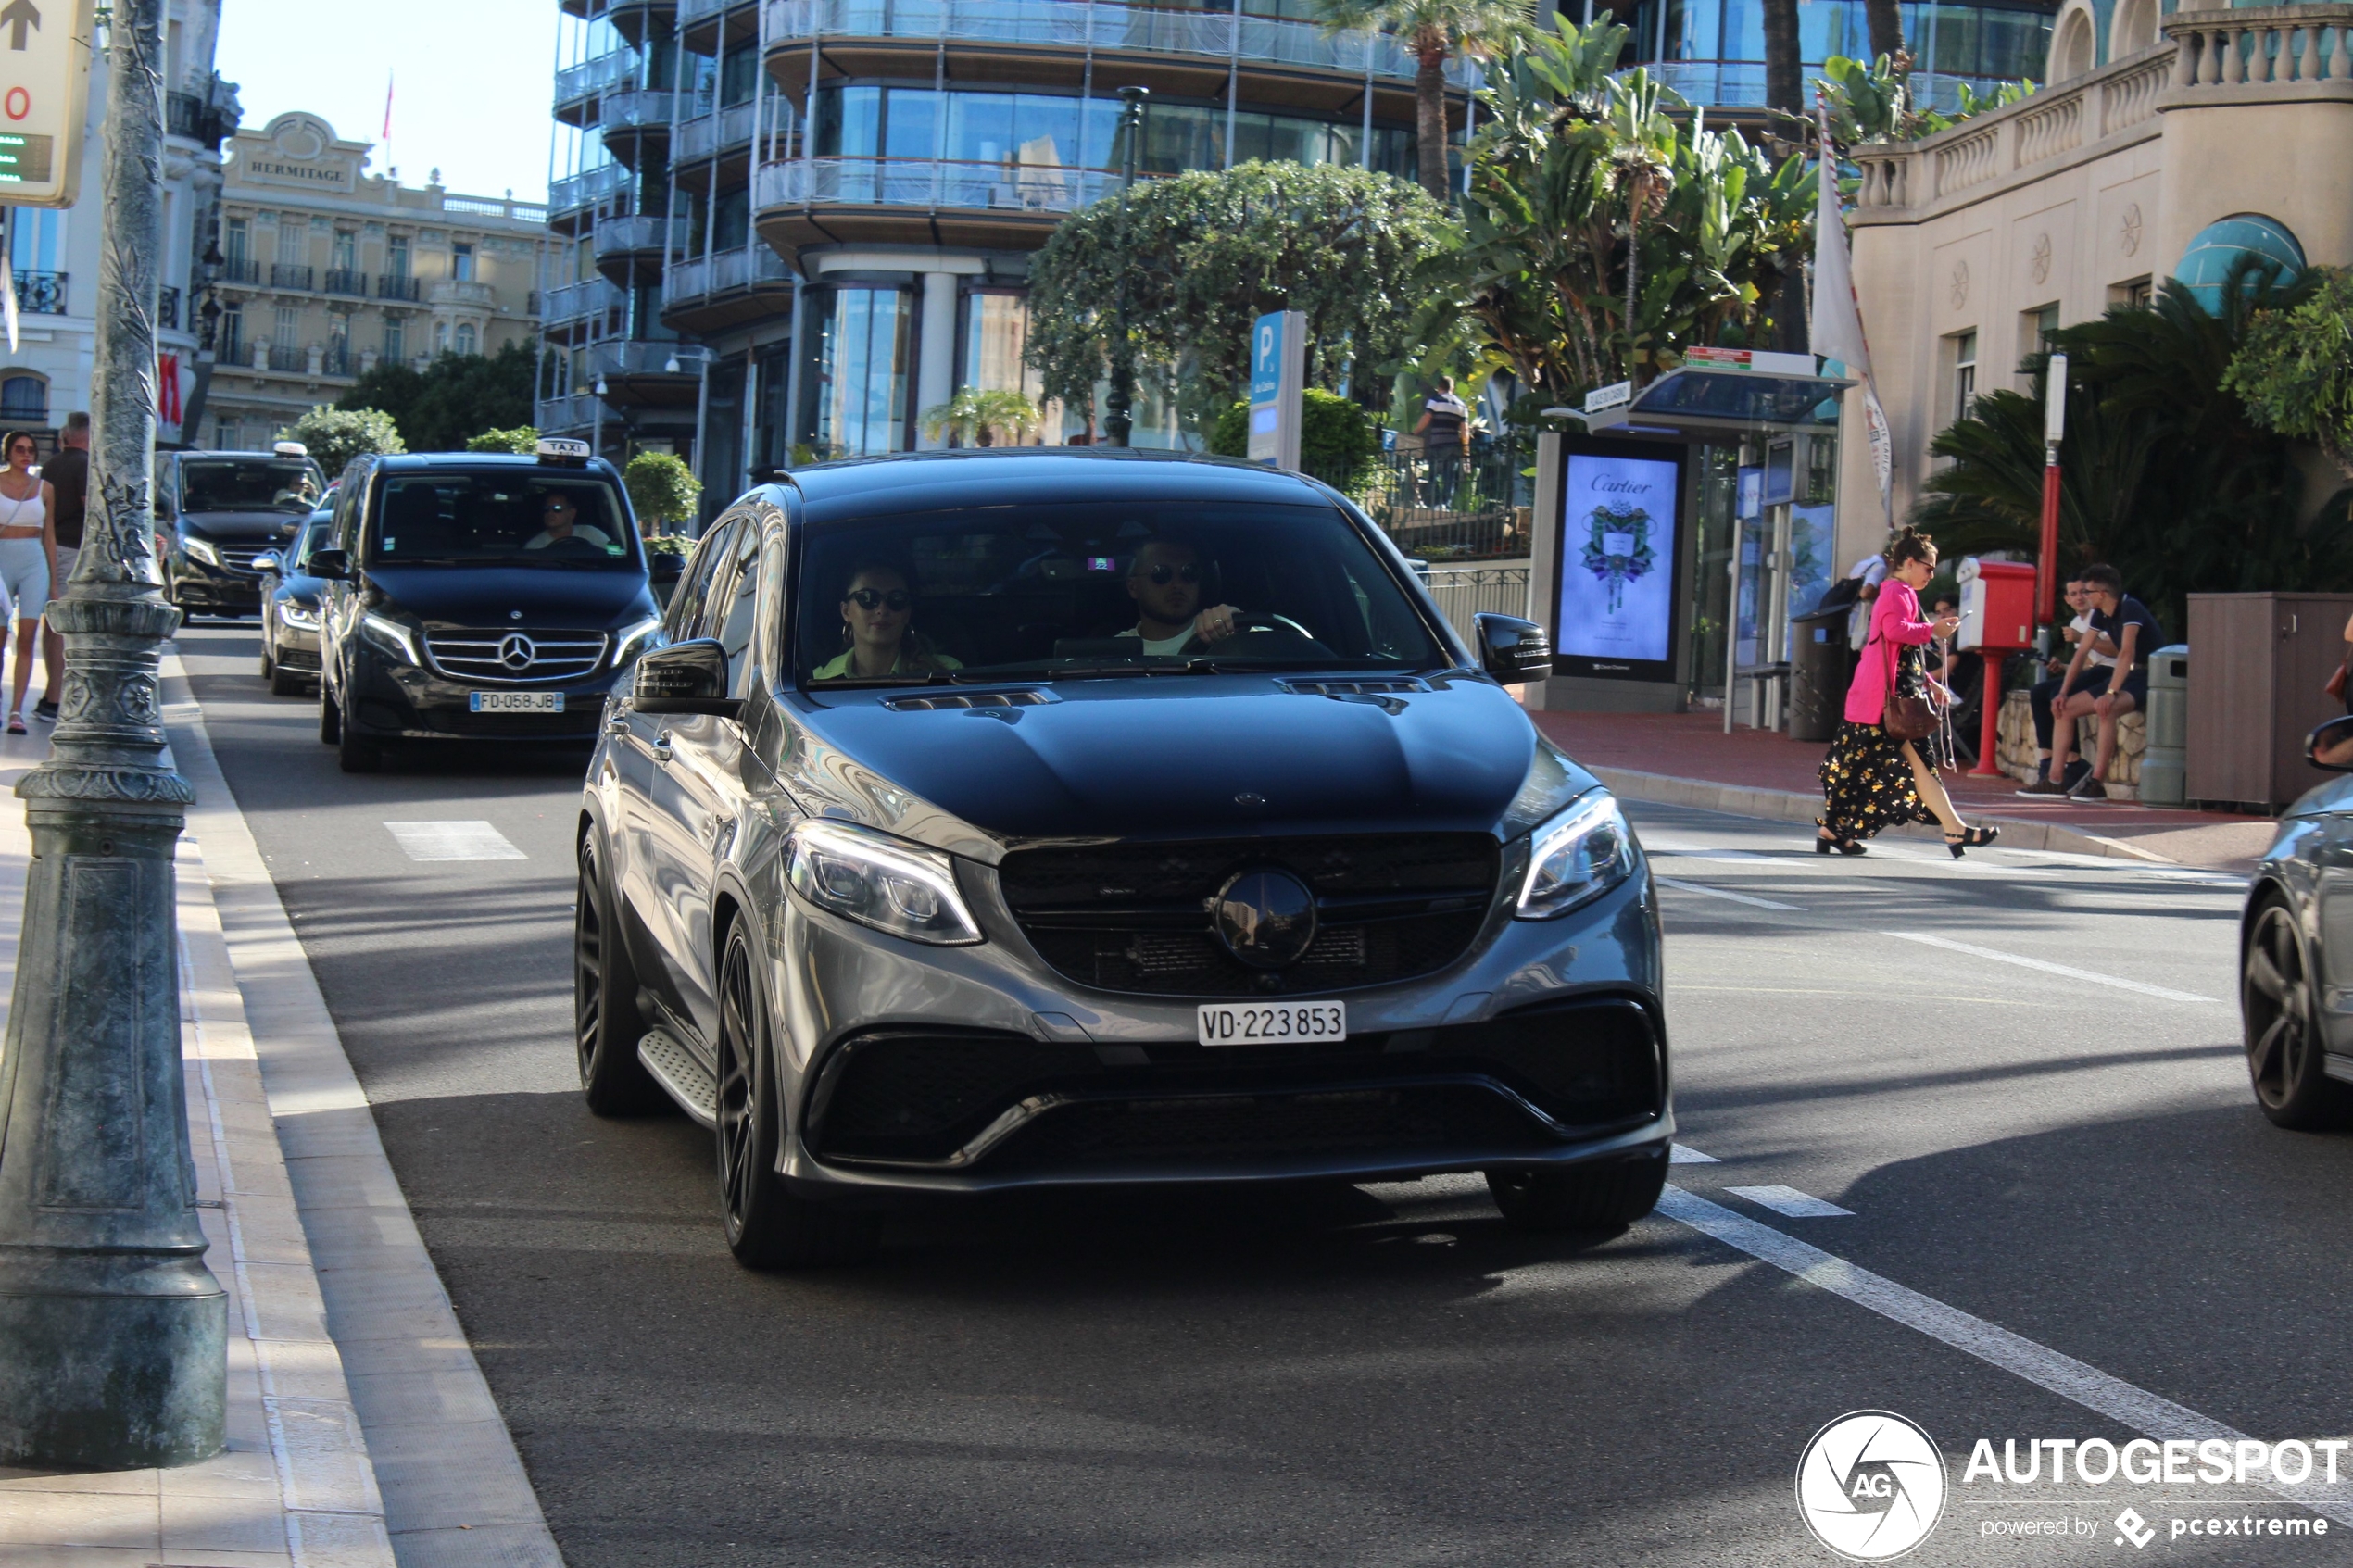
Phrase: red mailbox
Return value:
(1997, 605)
(1997, 619)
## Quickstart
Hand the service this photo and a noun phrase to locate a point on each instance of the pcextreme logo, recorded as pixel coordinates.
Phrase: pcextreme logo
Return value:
(1870, 1485)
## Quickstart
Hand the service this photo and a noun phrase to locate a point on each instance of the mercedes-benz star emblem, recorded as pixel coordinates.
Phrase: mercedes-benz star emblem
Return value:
(1265, 918)
(515, 651)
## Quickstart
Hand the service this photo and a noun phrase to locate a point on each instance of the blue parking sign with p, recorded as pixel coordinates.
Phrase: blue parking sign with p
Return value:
(1266, 358)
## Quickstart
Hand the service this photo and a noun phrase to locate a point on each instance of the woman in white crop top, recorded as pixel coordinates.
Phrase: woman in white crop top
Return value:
(28, 556)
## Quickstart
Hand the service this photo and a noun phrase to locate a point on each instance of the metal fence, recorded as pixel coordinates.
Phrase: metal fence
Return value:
(1468, 509)
(1465, 591)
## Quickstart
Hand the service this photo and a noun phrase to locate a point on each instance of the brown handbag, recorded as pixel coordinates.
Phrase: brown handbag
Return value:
(1905, 718)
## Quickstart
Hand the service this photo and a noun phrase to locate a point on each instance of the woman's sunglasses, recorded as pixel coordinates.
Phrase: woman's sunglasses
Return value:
(1163, 574)
(875, 598)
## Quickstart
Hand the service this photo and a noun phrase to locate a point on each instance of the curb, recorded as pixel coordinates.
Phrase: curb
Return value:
(455, 1494)
(1787, 805)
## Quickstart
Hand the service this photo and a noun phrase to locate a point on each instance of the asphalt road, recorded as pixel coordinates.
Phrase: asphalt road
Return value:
(1380, 1374)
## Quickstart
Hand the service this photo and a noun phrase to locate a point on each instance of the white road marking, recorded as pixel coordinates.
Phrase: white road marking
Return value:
(2160, 992)
(453, 841)
(1792, 1202)
(1720, 893)
(1679, 1154)
(2046, 1368)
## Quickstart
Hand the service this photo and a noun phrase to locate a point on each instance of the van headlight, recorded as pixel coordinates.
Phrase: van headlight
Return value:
(383, 632)
(879, 880)
(200, 549)
(1577, 856)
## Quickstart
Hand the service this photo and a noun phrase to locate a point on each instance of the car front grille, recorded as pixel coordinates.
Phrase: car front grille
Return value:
(941, 1098)
(240, 557)
(1135, 918)
(503, 656)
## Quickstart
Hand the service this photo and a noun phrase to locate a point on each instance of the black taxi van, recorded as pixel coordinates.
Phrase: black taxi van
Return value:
(477, 597)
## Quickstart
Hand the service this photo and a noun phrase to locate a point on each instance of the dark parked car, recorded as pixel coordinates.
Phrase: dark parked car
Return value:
(290, 608)
(217, 511)
(2295, 950)
(476, 597)
(1022, 819)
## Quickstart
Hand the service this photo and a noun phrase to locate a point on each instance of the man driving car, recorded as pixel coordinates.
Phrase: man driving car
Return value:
(559, 520)
(1166, 581)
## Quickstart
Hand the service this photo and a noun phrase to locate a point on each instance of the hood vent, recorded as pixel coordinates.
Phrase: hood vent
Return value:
(1372, 685)
(1025, 698)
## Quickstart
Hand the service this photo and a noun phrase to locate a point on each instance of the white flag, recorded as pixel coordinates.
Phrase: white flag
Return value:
(1838, 320)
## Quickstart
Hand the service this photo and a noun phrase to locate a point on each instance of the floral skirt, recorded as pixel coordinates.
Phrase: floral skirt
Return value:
(1867, 785)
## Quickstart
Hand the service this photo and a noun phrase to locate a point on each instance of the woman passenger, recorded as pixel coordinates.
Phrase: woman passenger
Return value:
(877, 604)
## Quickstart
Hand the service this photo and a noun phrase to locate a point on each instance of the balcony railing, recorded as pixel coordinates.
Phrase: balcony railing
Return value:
(1091, 24)
(289, 358)
(462, 292)
(588, 187)
(721, 273)
(343, 280)
(620, 237)
(600, 74)
(390, 285)
(591, 297)
(729, 129)
(40, 294)
(337, 361)
(240, 270)
(168, 309)
(290, 275)
(639, 356)
(930, 182)
(640, 108)
(557, 414)
(491, 207)
(695, 10)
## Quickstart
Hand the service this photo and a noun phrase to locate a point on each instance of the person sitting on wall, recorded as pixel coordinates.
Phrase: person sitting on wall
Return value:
(2122, 627)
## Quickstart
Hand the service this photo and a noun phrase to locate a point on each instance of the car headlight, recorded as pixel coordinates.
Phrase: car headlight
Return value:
(200, 549)
(295, 614)
(391, 637)
(880, 881)
(631, 641)
(1578, 856)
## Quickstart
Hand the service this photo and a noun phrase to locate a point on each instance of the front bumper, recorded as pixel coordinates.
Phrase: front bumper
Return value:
(977, 1068)
(393, 701)
(197, 586)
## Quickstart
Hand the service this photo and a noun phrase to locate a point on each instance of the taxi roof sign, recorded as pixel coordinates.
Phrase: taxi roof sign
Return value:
(559, 449)
(46, 50)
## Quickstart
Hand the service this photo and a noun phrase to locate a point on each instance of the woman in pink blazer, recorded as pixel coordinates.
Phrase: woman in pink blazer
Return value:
(1871, 780)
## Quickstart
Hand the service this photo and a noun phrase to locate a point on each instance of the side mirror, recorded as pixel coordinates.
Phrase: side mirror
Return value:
(268, 561)
(2330, 747)
(335, 564)
(689, 677)
(1513, 652)
(664, 567)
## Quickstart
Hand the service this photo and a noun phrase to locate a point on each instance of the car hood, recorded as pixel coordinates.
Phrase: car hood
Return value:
(1175, 756)
(242, 527)
(490, 595)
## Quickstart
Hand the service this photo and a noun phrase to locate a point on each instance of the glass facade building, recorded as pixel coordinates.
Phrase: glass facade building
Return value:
(1713, 50)
(787, 228)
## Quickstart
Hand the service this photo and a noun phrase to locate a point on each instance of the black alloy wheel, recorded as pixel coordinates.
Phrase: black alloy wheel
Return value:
(606, 1023)
(768, 1225)
(2284, 1055)
(1604, 1198)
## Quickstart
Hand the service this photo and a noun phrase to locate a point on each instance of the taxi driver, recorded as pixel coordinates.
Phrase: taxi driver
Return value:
(1165, 581)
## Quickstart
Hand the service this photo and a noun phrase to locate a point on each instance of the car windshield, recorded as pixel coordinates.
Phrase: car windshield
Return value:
(514, 517)
(248, 484)
(1081, 590)
(314, 533)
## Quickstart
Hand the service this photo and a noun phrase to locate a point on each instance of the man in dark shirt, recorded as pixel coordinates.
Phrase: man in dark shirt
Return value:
(2123, 629)
(68, 473)
(1445, 433)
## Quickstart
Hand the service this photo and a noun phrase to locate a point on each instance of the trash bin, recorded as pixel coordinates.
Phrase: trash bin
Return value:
(1816, 673)
(2163, 776)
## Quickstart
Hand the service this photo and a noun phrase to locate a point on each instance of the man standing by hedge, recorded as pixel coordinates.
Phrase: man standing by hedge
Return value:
(1445, 433)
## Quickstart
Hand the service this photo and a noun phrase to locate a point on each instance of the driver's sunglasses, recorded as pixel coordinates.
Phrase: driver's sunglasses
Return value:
(556, 504)
(875, 598)
(1163, 574)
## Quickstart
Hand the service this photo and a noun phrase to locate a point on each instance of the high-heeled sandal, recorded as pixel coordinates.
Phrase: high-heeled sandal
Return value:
(1970, 838)
(1844, 845)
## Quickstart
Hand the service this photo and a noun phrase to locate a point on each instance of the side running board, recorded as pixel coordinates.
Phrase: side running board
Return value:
(684, 1078)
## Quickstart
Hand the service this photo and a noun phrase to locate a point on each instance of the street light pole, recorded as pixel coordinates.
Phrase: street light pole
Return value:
(1118, 413)
(115, 1332)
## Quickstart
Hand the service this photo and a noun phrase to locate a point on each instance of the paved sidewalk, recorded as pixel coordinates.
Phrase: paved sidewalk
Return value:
(1687, 760)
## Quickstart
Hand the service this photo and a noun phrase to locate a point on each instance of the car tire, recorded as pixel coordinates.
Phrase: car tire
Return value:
(357, 756)
(269, 665)
(330, 715)
(1605, 1196)
(286, 682)
(2286, 1058)
(767, 1224)
(606, 1025)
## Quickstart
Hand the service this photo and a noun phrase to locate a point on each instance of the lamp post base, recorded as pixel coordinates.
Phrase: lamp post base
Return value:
(121, 1374)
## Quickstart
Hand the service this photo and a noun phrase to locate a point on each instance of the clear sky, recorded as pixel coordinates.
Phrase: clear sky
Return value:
(473, 80)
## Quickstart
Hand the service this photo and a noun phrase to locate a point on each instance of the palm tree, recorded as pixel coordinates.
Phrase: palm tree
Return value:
(1433, 32)
(1784, 71)
(978, 418)
(1885, 19)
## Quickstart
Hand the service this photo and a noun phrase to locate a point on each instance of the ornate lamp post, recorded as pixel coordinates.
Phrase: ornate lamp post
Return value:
(114, 1331)
(1118, 418)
